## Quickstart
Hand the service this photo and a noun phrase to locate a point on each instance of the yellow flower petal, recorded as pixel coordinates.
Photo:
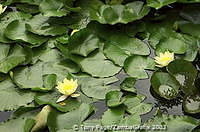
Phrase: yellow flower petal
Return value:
(75, 30)
(2, 9)
(61, 98)
(75, 95)
(67, 87)
(62, 103)
(164, 59)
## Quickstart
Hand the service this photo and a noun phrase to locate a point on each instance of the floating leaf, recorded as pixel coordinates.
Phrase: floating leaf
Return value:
(192, 48)
(68, 120)
(121, 47)
(112, 116)
(173, 45)
(128, 84)
(97, 65)
(8, 18)
(136, 65)
(159, 3)
(112, 14)
(83, 42)
(185, 73)
(191, 104)
(51, 99)
(42, 25)
(135, 105)
(53, 8)
(11, 56)
(12, 98)
(97, 88)
(170, 123)
(113, 98)
(165, 85)
(16, 30)
(41, 119)
(17, 125)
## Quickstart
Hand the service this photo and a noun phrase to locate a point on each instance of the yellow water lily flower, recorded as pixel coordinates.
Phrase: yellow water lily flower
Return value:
(67, 88)
(164, 59)
(2, 9)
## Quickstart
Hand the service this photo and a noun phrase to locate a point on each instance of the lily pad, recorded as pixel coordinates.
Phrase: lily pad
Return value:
(112, 116)
(121, 47)
(12, 56)
(112, 14)
(98, 88)
(18, 125)
(135, 105)
(173, 45)
(165, 85)
(16, 30)
(128, 84)
(51, 98)
(170, 123)
(8, 18)
(68, 120)
(42, 25)
(12, 98)
(159, 3)
(97, 65)
(113, 98)
(191, 104)
(83, 42)
(185, 73)
(136, 65)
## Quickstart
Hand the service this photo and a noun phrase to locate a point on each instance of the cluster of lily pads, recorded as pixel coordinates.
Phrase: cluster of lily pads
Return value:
(58, 58)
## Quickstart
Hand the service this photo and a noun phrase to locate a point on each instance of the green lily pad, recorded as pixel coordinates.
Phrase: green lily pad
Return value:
(112, 116)
(98, 88)
(121, 47)
(68, 120)
(136, 65)
(8, 18)
(53, 8)
(173, 45)
(135, 105)
(191, 104)
(12, 98)
(128, 84)
(97, 65)
(185, 73)
(159, 3)
(12, 56)
(171, 123)
(83, 42)
(42, 25)
(16, 30)
(112, 14)
(113, 98)
(51, 98)
(165, 85)
(18, 125)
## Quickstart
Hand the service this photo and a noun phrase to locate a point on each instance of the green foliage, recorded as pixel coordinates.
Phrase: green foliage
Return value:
(67, 120)
(136, 65)
(108, 46)
(165, 85)
(174, 123)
